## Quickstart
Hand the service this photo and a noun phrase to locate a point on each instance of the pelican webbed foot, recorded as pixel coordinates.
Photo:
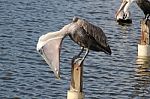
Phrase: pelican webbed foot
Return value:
(77, 60)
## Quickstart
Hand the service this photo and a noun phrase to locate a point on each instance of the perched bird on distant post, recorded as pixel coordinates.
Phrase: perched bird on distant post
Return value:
(123, 15)
(85, 34)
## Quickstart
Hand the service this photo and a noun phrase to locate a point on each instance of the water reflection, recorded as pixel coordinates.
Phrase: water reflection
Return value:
(142, 78)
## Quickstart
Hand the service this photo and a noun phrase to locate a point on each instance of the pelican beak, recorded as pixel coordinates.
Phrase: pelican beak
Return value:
(51, 54)
(123, 4)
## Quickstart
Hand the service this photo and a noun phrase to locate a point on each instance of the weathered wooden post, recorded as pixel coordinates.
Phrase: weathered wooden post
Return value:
(144, 46)
(76, 85)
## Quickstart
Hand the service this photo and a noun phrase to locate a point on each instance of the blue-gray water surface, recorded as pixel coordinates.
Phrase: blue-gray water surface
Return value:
(25, 75)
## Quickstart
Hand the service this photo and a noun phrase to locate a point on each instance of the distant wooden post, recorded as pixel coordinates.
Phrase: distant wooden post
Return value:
(76, 85)
(144, 46)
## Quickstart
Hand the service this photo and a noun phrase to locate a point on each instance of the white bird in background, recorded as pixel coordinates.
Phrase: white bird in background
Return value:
(123, 13)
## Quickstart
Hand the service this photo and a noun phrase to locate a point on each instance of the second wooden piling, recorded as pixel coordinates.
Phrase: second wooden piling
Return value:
(144, 46)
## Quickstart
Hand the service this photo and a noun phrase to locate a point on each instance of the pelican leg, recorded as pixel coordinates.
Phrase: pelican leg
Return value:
(76, 58)
(124, 16)
(80, 52)
(86, 53)
(80, 60)
(146, 18)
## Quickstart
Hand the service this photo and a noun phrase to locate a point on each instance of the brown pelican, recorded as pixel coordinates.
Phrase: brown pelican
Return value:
(123, 15)
(145, 7)
(85, 34)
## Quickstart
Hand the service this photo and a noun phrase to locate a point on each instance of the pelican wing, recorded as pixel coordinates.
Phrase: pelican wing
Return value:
(144, 5)
(147, 7)
(96, 33)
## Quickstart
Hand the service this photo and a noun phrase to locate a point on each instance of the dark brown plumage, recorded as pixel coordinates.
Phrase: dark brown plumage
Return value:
(145, 7)
(89, 36)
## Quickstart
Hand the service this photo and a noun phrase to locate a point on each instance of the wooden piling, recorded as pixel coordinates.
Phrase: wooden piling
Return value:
(145, 32)
(76, 85)
(144, 46)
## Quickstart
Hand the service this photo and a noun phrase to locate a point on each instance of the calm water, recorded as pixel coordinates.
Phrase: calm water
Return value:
(24, 74)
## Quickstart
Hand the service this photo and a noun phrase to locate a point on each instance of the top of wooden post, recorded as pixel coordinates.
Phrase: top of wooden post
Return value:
(76, 75)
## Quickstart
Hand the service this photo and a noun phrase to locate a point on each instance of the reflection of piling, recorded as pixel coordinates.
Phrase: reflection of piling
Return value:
(142, 75)
(144, 46)
(76, 85)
